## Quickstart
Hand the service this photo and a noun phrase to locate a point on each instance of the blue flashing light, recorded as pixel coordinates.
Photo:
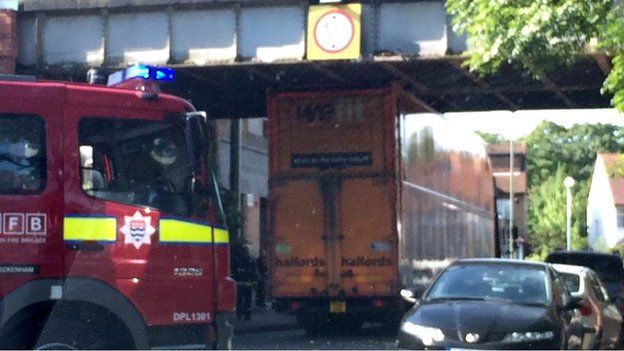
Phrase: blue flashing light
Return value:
(138, 71)
(152, 73)
(166, 74)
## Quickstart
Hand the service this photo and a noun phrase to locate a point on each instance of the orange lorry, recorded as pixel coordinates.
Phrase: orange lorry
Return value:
(366, 199)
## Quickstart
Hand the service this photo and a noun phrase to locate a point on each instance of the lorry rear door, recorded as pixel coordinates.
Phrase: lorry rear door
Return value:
(333, 194)
(300, 265)
(367, 240)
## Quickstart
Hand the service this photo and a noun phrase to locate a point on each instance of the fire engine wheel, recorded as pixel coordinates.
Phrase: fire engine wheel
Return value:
(82, 331)
(56, 346)
(71, 334)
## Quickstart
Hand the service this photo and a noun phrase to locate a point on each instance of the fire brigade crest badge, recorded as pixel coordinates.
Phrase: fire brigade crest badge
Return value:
(137, 230)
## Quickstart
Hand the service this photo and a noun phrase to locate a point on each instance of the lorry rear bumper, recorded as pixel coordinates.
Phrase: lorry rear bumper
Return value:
(365, 309)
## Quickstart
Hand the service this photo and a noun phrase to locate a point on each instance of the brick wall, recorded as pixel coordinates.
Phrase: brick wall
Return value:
(8, 41)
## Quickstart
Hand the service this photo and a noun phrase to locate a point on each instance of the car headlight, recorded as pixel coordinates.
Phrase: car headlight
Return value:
(426, 334)
(528, 336)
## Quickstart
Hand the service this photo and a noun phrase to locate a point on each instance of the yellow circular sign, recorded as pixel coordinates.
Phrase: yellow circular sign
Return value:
(334, 31)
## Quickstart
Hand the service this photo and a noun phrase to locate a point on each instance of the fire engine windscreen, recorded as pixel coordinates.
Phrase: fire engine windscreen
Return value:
(136, 162)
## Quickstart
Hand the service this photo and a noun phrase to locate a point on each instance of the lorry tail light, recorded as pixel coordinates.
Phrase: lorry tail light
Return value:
(585, 309)
(295, 306)
(378, 304)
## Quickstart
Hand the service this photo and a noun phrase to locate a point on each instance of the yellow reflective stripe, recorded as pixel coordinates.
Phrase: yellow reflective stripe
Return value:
(176, 231)
(221, 236)
(89, 228)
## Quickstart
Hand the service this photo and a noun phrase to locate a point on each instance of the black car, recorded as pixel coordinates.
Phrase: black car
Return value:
(609, 268)
(492, 304)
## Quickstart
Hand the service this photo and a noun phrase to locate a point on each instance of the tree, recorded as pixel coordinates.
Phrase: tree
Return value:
(550, 146)
(554, 152)
(538, 35)
(547, 215)
(491, 138)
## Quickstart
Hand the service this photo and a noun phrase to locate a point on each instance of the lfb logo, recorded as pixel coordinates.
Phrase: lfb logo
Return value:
(137, 230)
(24, 223)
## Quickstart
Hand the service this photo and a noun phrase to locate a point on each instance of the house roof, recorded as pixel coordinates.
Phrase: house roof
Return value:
(501, 174)
(502, 182)
(503, 149)
(616, 182)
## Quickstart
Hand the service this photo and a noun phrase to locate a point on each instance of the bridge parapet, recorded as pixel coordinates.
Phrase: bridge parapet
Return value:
(228, 53)
(200, 33)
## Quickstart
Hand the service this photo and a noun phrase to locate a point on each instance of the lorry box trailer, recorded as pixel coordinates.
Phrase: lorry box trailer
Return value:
(366, 199)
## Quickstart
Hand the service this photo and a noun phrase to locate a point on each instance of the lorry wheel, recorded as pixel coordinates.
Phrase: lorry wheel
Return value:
(314, 329)
(348, 325)
(315, 326)
(312, 325)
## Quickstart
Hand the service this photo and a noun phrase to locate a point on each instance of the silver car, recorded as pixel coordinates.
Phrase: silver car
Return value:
(601, 319)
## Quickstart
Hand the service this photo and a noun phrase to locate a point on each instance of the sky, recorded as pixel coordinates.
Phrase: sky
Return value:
(520, 123)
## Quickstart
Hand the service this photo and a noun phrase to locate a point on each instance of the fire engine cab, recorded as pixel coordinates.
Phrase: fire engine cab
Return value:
(112, 233)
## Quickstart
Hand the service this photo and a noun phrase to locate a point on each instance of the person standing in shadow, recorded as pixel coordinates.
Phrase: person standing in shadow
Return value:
(261, 266)
(246, 276)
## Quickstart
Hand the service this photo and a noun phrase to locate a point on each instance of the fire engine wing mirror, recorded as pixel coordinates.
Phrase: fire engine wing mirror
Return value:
(196, 127)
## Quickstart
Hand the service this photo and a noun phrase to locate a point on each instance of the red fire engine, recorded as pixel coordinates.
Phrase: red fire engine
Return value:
(111, 229)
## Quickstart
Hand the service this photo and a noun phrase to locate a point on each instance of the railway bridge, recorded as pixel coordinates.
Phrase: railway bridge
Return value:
(229, 53)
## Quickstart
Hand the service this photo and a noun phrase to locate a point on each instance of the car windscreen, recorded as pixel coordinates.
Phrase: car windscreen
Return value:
(609, 268)
(515, 283)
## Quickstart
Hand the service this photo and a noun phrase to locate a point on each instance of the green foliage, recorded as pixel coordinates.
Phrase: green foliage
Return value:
(539, 35)
(616, 169)
(547, 215)
(554, 152)
(613, 44)
(550, 146)
(491, 138)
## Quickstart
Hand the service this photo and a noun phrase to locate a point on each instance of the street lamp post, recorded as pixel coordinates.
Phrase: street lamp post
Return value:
(568, 182)
(511, 196)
